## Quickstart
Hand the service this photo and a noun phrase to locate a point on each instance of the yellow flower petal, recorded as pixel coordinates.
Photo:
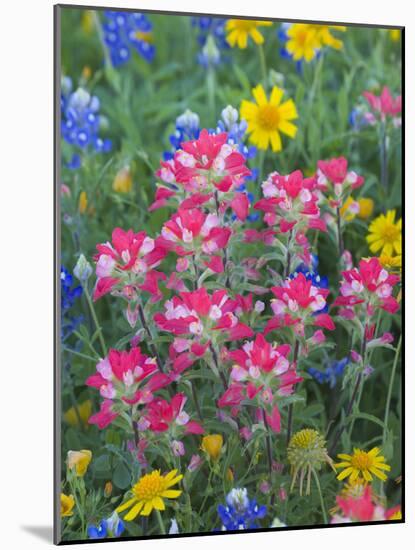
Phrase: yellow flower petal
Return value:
(288, 110)
(171, 493)
(345, 473)
(257, 36)
(288, 128)
(126, 505)
(276, 142)
(158, 503)
(276, 96)
(148, 508)
(133, 513)
(259, 94)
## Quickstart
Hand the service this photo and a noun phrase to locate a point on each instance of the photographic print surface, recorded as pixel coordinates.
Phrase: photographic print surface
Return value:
(229, 265)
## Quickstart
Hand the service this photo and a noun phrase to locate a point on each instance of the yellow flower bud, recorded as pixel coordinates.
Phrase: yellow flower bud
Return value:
(87, 22)
(108, 489)
(345, 211)
(212, 445)
(229, 475)
(67, 504)
(84, 412)
(83, 202)
(86, 72)
(123, 181)
(80, 461)
(366, 208)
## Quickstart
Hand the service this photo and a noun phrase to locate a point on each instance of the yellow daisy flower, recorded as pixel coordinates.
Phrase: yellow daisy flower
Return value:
(149, 492)
(79, 460)
(303, 41)
(306, 454)
(326, 38)
(397, 514)
(67, 504)
(391, 262)
(385, 235)
(212, 445)
(268, 117)
(239, 30)
(362, 464)
(366, 206)
(395, 35)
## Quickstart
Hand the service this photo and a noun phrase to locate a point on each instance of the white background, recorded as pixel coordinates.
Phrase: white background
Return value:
(26, 314)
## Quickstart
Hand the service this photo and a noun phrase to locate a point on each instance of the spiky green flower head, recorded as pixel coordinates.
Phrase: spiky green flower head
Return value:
(307, 453)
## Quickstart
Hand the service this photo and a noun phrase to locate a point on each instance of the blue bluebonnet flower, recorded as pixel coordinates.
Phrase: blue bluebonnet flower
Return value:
(126, 31)
(212, 39)
(360, 117)
(81, 122)
(111, 527)
(187, 128)
(240, 512)
(311, 273)
(69, 296)
(236, 129)
(332, 372)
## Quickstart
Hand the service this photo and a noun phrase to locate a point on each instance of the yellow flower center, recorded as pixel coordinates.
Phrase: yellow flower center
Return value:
(301, 37)
(390, 233)
(361, 460)
(304, 439)
(268, 117)
(149, 486)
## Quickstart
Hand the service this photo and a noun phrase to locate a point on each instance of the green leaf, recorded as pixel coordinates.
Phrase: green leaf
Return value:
(121, 476)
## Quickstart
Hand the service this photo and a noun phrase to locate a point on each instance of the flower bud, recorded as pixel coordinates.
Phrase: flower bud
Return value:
(82, 269)
(212, 445)
(123, 181)
(79, 461)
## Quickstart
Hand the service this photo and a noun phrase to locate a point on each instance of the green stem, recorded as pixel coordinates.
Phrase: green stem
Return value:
(383, 157)
(160, 522)
(98, 26)
(263, 64)
(95, 319)
(389, 396)
(210, 87)
(261, 165)
(207, 493)
(79, 354)
(323, 508)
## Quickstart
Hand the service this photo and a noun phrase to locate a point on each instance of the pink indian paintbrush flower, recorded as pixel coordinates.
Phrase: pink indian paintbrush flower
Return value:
(129, 260)
(262, 373)
(128, 377)
(200, 315)
(385, 104)
(104, 416)
(205, 169)
(162, 416)
(297, 303)
(192, 232)
(369, 286)
(334, 178)
(291, 201)
(363, 507)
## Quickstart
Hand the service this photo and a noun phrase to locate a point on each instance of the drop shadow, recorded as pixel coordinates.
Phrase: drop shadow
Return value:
(42, 532)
